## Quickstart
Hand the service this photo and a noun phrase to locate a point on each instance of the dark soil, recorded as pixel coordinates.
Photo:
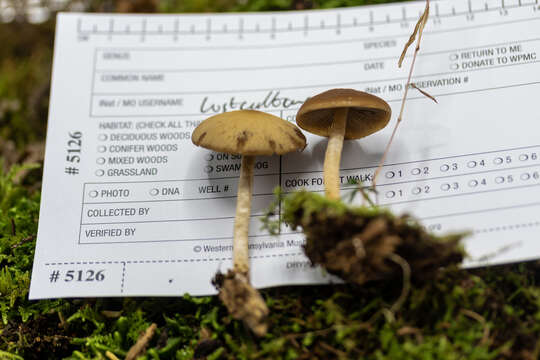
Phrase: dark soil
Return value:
(361, 244)
(40, 338)
(243, 301)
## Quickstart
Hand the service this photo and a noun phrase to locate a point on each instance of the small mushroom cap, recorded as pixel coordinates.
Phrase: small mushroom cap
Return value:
(367, 113)
(248, 132)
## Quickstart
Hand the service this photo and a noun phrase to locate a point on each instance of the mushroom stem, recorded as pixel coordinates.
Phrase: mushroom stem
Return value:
(241, 221)
(333, 153)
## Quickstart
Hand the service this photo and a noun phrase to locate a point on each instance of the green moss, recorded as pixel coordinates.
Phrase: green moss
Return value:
(308, 204)
(312, 203)
(18, 225)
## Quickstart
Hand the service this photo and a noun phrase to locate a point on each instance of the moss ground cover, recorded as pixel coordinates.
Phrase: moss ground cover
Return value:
(489, 313)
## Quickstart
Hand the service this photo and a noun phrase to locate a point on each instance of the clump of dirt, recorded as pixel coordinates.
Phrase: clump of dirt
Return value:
(242, 300)
(360, 244)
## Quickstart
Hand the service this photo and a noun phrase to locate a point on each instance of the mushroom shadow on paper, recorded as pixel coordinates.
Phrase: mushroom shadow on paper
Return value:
(309, 160)
(355, 155)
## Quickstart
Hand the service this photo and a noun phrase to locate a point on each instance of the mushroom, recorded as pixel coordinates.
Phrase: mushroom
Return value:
(341, 114)
(248, 133)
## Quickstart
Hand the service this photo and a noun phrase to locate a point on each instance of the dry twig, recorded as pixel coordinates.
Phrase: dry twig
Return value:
(405, 267)
(110, 314)
(476, 316)
(23, 241)
(111, 356)
(13, 227)
(417, 34)
(409, 330)
(140, 346)
(425, 93)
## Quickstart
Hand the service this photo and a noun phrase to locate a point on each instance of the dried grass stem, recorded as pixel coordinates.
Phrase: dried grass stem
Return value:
(418, 31)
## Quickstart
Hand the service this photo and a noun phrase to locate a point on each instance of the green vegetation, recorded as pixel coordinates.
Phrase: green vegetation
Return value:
(477, 314)
(485, 314)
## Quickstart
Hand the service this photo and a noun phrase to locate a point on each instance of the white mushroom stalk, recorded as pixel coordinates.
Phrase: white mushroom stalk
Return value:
(241, 222)
(336, 135)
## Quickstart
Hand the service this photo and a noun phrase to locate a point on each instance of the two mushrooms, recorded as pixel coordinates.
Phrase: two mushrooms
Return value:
(339, 114)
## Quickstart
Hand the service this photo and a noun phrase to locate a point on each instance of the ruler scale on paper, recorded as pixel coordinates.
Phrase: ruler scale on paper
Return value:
(130, 207)
(334, 23)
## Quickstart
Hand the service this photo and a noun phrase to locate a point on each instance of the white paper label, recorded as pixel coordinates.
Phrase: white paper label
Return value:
(131, 207)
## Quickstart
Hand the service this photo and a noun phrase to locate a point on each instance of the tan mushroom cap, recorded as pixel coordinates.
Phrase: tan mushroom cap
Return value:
(367, 113)
(248, 132)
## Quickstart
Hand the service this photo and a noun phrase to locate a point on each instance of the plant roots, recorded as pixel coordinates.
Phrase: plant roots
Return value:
(242, 300)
